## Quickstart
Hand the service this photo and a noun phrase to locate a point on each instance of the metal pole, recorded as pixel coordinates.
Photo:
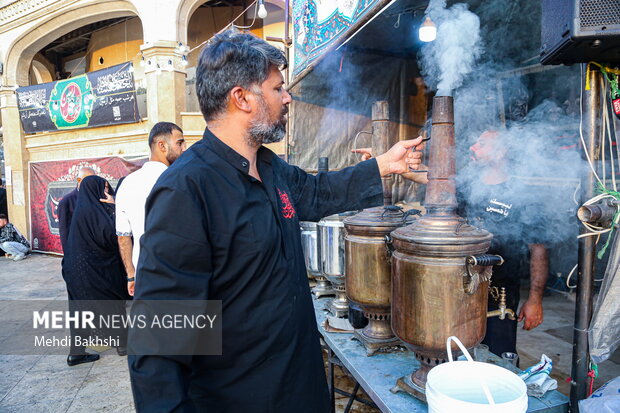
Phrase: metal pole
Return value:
(583, 306)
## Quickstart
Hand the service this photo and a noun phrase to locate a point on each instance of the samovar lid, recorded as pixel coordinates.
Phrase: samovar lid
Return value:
(390, 216)
(335, 220)
(438, 233)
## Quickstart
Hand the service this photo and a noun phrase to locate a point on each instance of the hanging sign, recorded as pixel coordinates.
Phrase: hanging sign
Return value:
(103, 97)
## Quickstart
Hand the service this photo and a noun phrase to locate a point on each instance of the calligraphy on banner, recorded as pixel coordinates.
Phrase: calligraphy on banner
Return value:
(100, 98)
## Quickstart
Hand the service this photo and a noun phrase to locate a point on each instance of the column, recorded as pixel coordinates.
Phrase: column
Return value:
(16, 160)
(165, 81)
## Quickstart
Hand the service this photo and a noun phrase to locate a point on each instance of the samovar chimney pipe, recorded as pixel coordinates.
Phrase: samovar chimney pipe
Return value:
(441, 189)
(381, 142)
(433, 295)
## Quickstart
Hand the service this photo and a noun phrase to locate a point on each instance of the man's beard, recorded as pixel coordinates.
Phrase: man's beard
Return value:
(261, 131)
(171, 157)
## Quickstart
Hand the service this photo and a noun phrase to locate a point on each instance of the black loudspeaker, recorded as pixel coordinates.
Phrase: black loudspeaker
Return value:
(579, 31)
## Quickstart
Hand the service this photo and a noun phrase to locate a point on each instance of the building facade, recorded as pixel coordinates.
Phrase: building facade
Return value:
(48, 40)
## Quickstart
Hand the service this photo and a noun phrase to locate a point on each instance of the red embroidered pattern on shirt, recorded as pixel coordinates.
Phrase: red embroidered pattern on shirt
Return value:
(287, 208)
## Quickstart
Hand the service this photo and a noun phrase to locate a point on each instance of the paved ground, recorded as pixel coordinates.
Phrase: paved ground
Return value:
(46, 384)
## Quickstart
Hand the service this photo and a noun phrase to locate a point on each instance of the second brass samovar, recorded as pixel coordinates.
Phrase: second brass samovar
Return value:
(368, 251)
(369, 275)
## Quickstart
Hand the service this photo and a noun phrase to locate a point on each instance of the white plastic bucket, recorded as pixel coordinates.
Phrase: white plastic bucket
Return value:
(473, 387)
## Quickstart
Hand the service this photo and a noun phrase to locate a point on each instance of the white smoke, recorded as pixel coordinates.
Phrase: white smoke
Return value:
(452, 56)
(537, 114)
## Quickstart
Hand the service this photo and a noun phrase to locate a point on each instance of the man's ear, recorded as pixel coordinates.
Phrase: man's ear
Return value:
(161, 145)
(241, 99)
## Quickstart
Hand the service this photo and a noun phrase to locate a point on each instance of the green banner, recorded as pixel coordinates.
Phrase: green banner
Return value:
(71, 103)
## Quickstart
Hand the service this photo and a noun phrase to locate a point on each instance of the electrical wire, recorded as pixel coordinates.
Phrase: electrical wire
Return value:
(227, 26)
(90, 47)
(616, 137)
(570, 275)
(575, 193)
(77, 66)
(607, 138)
(593, 230)
(232, 23)
(603, 154)
(253, 20)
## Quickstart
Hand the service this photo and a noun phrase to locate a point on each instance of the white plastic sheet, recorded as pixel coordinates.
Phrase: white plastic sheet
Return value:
(604, 332)
(605, 400)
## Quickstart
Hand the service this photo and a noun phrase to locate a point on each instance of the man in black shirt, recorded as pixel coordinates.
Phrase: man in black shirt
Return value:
(508, 209)
(237, 240)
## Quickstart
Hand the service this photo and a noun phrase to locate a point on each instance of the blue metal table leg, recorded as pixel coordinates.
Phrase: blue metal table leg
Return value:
(352, 398)
(332, 387)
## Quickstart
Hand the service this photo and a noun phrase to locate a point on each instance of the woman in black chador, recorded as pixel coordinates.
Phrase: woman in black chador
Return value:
(93, 265)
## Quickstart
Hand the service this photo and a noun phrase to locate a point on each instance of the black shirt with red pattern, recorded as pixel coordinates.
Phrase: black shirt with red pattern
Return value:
(213, 232)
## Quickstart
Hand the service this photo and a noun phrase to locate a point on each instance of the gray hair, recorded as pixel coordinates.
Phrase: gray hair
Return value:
(232, 59)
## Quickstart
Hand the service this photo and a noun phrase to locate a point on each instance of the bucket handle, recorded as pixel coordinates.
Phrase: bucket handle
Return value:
(485, 387)
(461, 346)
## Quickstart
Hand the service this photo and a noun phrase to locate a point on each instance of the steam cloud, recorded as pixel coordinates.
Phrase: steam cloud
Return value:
(452, 56)
(471, 59)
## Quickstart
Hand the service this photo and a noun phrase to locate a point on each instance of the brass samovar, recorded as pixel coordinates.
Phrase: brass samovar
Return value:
(435, 293)
(368, 251)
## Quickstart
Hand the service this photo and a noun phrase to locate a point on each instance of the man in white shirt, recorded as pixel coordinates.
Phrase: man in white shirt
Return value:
(166, 144)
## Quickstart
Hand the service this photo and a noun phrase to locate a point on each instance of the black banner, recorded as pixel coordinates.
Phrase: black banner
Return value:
(103, 97)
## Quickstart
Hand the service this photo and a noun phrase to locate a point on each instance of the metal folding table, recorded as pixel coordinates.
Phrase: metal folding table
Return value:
(378, 374)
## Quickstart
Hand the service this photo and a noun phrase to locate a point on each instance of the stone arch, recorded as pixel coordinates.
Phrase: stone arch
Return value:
(188, 7)
(43, 69)
(41, 72)
(22, 51)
